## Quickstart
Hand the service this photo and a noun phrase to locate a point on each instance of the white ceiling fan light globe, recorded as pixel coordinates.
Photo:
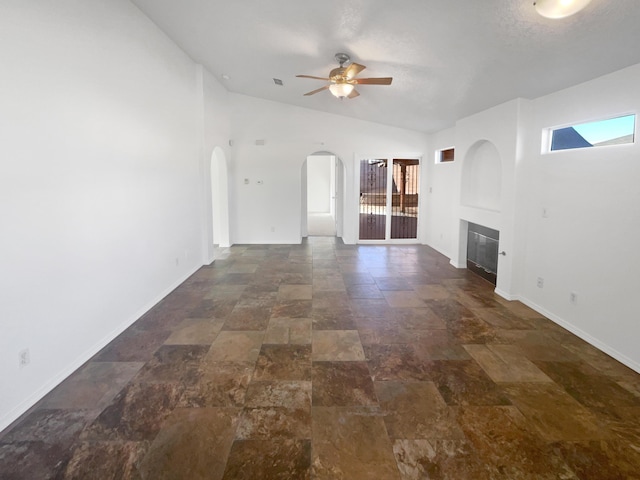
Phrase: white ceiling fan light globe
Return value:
(559, 8)
(341, 90)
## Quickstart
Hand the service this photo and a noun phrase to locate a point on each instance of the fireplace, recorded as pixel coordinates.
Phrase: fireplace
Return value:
(482, 251)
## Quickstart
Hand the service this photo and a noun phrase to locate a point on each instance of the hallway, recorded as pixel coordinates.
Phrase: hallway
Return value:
(332, 361)
(321, 225)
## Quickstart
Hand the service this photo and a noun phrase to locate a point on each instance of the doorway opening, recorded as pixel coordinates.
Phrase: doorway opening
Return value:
(321, 195)
(220, 199)
(389, 199)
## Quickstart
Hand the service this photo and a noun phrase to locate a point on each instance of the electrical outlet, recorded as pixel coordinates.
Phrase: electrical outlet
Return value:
(540, 282)
(573, 298)
(24, 358)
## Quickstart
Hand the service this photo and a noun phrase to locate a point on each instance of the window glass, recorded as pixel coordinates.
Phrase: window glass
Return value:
(445, 155)
(613, 131)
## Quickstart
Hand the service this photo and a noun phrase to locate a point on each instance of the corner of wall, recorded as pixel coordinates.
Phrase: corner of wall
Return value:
(9, 417)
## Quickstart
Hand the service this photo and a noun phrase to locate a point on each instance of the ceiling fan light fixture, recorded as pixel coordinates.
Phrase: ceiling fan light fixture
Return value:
(341, 81)
(559, 8)
(341, 90)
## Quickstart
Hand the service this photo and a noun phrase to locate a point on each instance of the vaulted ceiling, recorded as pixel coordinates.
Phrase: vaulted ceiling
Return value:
(448, 58)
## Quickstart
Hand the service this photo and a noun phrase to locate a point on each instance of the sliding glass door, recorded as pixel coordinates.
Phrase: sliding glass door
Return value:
(389, 199)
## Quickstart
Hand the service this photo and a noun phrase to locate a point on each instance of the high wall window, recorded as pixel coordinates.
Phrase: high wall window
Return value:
(612, 131)
(445, 155)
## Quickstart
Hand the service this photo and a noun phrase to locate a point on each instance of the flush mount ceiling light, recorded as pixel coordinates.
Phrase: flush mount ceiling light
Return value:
(559, 8)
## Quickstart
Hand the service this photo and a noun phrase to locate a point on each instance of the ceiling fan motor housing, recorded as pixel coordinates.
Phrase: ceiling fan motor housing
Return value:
(342, 58)
(337, 75)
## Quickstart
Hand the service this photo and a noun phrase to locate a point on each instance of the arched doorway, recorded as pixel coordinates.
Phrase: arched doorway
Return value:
(220, 198)
(323, 193)
(321, 174)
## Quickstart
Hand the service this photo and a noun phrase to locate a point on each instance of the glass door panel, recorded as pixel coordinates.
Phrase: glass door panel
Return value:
(405, 198)
(373, 199)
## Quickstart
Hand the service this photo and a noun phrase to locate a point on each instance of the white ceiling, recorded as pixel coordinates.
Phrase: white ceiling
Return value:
(448, 58)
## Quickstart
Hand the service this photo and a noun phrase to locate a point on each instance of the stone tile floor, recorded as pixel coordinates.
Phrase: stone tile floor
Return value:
(327, 361)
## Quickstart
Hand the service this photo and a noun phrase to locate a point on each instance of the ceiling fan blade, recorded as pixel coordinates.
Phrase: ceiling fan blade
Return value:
(353, 69)
(372, 81)
(354, 93)
(311, 76)
(316, 90)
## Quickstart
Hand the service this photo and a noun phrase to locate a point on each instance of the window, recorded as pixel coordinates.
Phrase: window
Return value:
(613, 131)
(445, 155)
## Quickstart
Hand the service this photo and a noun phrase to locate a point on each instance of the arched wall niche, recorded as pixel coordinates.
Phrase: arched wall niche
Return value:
(482, 177)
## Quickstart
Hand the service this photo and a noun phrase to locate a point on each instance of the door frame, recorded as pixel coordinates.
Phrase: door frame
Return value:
(389, 158)
(330, 166)
(340, 188)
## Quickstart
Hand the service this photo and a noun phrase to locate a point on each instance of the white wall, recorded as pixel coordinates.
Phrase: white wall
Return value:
(588, 244)
(441, 178)
(100, 182)
(497, 127)
(271, 212)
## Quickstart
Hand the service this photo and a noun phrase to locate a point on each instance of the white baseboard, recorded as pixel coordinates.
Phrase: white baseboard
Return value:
(505, 295)
(440, 251)
(458, 265)
(612, 352)
(12, 415)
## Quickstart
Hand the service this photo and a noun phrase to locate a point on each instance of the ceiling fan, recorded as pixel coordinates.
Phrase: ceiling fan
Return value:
(342, 79)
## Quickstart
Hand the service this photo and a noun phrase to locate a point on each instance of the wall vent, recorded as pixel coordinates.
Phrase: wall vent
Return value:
(277, 81)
